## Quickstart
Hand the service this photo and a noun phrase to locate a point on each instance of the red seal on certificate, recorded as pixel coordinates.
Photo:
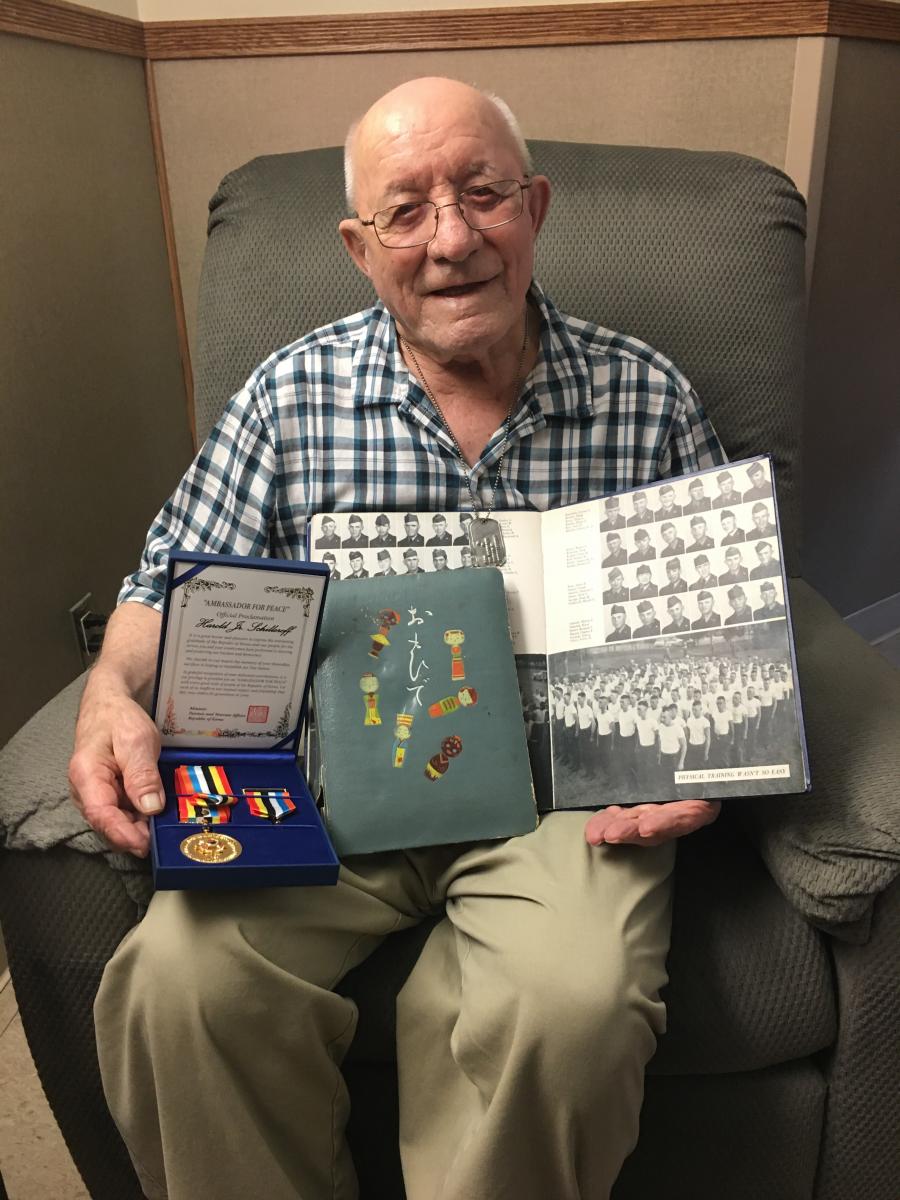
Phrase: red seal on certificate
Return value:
(257, 714)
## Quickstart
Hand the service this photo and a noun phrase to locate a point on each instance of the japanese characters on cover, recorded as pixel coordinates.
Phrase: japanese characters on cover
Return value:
(418, 714)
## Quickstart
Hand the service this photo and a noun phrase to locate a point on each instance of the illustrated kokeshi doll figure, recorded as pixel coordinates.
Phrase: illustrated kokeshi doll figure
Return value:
(402, 734)
(386, 619)
(454, 638)
(369, 686)
(438, 763)
(465, 697)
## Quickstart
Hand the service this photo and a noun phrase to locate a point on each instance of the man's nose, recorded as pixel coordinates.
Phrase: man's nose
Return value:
(454, 238)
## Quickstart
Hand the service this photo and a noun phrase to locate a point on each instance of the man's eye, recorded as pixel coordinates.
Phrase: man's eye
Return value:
(484, 197)
(405, 215)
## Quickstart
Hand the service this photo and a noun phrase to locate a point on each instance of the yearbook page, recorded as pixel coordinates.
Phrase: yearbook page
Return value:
(680, 683)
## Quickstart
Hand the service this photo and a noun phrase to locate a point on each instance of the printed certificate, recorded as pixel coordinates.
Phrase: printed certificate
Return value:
(237, 646)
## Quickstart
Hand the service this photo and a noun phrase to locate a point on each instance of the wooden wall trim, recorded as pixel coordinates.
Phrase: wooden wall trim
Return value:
(544, 25)
(479, 28)
(863, 19)
(453, 29)
(73, 25)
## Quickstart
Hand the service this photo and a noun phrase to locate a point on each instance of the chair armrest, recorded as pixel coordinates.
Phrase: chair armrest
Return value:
(36, 812)
(860, 1152)
(63, 915)
(833, 851)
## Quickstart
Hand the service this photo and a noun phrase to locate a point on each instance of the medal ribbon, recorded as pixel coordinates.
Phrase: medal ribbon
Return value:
(211, 781)
(197, 788)
(273, 803)
(188, 812)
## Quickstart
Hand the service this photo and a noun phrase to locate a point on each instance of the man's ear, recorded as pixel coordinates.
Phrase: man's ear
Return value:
(538, 201)
(355, 241)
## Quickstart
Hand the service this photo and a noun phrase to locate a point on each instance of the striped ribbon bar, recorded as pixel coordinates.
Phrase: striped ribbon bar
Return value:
(273, 803)
(208, 781)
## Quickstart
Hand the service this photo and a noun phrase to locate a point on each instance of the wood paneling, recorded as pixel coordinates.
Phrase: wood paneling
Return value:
(863, 19)
(547, 25)
(73, 25)
(453, 29)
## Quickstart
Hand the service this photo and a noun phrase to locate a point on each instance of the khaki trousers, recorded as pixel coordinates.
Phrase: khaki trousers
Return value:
(523, 1030)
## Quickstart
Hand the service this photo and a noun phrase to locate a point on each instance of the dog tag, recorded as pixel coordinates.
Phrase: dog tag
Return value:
(486, 540)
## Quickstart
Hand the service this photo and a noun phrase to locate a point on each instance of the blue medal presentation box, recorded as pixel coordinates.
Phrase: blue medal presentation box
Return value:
(293, 851)
(233, 675)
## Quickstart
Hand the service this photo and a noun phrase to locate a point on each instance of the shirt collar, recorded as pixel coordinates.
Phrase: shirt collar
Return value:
(379, 372)
(559, 385)
(561, 382)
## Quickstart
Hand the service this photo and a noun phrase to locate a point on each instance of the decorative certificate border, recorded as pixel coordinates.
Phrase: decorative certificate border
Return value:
(224, 616)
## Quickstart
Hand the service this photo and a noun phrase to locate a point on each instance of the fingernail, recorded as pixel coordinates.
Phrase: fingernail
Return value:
(152, 802)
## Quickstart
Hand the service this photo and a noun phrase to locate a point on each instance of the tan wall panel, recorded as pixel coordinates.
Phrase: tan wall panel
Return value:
(217, 114)
(807, 142)
(852, 420)
(92, 407)
(119, 8)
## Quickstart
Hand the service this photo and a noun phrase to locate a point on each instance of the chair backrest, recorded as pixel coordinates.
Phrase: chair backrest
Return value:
(699, 253)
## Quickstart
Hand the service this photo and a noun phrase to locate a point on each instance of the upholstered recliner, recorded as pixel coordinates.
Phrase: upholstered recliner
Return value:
(778, 1075)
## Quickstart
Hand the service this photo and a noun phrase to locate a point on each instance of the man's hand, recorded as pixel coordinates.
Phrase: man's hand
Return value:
(649, 824)
(113, 773)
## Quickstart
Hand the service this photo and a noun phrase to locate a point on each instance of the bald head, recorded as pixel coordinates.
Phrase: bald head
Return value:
(411, 107)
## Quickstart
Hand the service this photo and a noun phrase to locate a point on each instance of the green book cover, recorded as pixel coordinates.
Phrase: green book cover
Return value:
(418, 714)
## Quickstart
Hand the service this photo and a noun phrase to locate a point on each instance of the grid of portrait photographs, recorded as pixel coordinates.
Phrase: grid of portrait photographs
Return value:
(367, 545)
(693, 554)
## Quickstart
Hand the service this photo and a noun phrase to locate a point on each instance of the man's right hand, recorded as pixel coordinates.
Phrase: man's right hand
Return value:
(113, 771)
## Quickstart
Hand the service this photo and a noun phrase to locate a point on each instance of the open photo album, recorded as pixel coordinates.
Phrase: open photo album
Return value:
(651, 631)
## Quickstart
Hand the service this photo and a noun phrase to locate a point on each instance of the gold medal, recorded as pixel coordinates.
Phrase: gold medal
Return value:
(210, 847)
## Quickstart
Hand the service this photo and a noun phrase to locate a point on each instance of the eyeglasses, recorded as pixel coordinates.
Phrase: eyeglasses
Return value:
(484, 206)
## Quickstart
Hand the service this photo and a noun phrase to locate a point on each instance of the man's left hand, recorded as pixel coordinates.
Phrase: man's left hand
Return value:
(649, 824)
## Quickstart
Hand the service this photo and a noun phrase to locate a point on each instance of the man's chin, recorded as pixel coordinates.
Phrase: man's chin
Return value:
(463, 331)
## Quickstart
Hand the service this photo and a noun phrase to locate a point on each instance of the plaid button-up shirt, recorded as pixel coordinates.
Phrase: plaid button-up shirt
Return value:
(335, 422)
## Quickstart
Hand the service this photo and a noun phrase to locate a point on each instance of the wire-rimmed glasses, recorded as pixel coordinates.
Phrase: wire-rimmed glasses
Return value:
(483, 206)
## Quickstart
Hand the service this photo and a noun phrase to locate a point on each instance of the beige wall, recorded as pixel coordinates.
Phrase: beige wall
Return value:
(92, 406)
(852, 419)
(118, 8)
(217, 114)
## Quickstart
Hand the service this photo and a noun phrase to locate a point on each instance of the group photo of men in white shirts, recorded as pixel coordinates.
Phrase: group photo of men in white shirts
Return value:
(623, 723)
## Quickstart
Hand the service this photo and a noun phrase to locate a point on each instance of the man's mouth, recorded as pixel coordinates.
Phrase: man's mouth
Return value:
(461, 289)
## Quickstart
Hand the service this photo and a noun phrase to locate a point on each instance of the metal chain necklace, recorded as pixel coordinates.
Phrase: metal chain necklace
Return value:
(488, 546)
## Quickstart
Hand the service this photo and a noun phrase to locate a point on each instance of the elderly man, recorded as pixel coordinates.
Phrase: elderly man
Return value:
(525, 1026)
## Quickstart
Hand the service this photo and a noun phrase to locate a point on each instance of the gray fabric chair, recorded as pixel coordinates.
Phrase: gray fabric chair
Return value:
(777, 1077)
